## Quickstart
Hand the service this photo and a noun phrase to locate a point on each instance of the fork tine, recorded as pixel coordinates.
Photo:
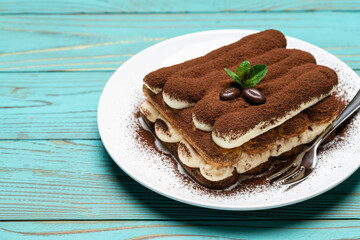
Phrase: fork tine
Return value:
(290, 173)
(281, 172)
(298, 178)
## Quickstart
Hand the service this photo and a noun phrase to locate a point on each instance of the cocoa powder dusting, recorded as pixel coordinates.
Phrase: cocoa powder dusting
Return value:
(324, 109)
(294, 126)
(221, 56)
(293, 78)
(146, 139)
(161, 125)
(261, 143)
(182, 148)
(318, 80)
(192, 83)
(246, 183)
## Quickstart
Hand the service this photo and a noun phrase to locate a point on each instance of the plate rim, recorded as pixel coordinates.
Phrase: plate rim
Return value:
(196, 202)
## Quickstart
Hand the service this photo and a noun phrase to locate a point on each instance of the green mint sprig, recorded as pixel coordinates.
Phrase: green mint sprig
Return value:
(247, 76)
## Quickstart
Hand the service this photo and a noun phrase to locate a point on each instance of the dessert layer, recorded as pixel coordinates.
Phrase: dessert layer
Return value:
(187, 97)
(216, 156)
(295, 132)
(193, 89)
(293, 83)
(210, 108)
(235, 128)
(229, 55)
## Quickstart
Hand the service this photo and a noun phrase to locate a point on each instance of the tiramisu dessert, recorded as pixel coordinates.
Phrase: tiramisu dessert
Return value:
(239, 107)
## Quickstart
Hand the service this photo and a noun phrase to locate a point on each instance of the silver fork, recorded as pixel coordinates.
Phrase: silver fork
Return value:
(305, 162)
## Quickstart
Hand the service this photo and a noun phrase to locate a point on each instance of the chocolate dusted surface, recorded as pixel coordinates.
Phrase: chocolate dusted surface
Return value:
(253, 178)
(294, 126)
(293, 77)
(261, 143)
(258, 176)
(191, 84)
(324, 110)
(317, 81)
(210, 108)
(202, 141)
(162, 125)
(146, 138)
(218, 59)
(183, 149)
(181, 120)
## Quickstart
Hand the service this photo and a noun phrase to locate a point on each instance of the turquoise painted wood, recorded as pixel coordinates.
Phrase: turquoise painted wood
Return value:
(76, 179)
(103, 42)
(185, 230)
(51, 105)
(164, 6)
(55, 58)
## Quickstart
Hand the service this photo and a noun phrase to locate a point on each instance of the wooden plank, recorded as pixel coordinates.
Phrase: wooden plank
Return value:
(104, 42)
(76, 179)
(163, 6)
(183, 230)
(50, 105)
(333, 229)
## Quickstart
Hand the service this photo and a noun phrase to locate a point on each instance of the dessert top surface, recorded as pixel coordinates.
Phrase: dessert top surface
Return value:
(293, 79)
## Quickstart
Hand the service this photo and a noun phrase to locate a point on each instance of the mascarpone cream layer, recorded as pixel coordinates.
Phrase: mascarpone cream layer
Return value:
(201, 125)
(175, 103)
(168, 133)
(250, 161)
(189, 156)
(154, 90)
(149, 111)
(235, 140)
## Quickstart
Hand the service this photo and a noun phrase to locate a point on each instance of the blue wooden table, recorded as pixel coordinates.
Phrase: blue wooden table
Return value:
(56, 178)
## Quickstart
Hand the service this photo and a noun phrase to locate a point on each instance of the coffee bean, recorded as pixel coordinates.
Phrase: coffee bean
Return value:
(230, 93)
(253, 96)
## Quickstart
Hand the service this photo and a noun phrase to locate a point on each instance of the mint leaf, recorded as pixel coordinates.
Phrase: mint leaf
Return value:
(243, 69)
(235, 77)
(256, 73)
(248, 77)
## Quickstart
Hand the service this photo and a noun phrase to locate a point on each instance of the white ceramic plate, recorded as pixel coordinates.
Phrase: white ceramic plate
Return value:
(123, 93)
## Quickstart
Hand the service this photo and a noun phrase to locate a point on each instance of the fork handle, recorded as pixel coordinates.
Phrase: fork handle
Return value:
(347, 112)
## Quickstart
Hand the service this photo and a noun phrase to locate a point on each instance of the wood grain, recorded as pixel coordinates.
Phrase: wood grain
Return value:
(333, 229)
(50, 105)
(55, 58)
(103, 42)
(76, 179)
(163, 6)
(141, 230)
